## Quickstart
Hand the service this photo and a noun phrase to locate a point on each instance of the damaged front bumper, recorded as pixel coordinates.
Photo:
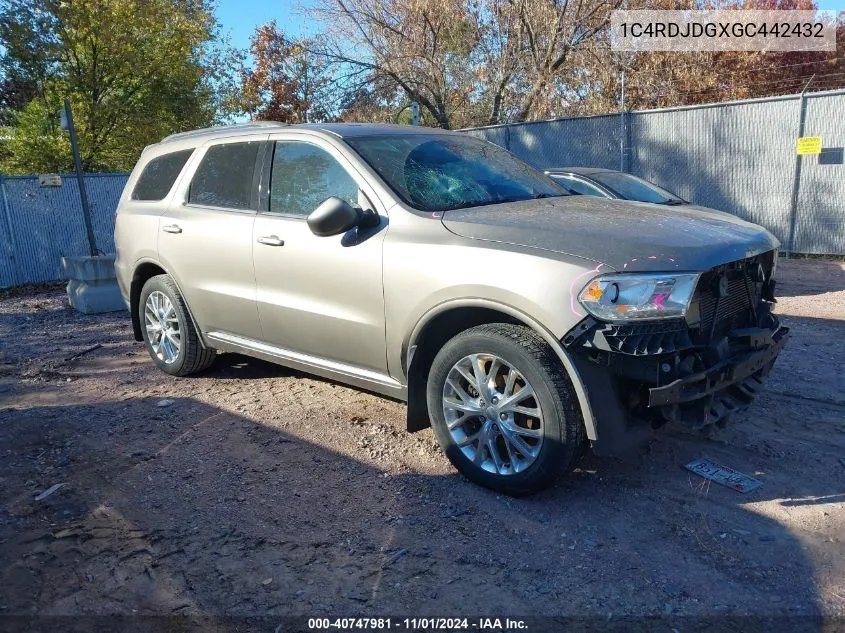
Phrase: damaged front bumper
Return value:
(732, 371)
(695, 371)
(632, 396)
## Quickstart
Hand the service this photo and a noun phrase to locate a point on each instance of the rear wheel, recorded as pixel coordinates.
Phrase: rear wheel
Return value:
(169, 334)
(503, 409)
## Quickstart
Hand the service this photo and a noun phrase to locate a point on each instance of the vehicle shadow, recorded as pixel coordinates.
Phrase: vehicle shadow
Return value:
(193, 510)
(239, 366)
(230, 366)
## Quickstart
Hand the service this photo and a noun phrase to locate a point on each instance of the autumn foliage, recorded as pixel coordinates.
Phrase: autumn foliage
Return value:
(137, 70)
(482, 62)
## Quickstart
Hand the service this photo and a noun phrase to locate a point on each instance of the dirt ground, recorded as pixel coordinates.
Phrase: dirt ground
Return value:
(253, 489)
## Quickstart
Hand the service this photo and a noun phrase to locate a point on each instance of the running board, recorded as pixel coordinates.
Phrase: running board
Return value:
(334, 370)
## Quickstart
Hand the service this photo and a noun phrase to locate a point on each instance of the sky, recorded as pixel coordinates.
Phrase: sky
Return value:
(240, 17)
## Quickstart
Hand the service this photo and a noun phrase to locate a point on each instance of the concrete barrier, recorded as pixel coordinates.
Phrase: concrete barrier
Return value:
(92, 287)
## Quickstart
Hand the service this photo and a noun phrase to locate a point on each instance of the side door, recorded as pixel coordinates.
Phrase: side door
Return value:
(318, 296)
(205, 237)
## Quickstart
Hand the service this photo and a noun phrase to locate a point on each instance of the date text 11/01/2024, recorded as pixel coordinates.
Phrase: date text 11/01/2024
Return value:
(415, 624)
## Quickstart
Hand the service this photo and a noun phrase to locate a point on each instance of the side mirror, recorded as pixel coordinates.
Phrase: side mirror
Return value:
(335, 216)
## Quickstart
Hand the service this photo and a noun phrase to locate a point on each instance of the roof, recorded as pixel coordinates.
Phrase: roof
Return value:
(580, 171)
(342, 130)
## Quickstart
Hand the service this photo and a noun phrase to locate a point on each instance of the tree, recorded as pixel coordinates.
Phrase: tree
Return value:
(15, 93)
(421, 47)
(554, 31)
(133, 70)
(36, 144)
(466, 62)
(665, 79)
(376, 100)
(289, 83)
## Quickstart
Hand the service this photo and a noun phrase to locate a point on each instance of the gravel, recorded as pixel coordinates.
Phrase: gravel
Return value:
(258, 490)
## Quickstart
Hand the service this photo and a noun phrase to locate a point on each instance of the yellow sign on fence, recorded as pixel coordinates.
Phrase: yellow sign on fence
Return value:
(809, 145)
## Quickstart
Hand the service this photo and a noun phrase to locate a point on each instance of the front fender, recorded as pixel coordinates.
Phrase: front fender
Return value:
(519, 315)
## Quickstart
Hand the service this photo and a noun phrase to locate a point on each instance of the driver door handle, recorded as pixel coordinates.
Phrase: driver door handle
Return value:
(270, 240)
(171, 228)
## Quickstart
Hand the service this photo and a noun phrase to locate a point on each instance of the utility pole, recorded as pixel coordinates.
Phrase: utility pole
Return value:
(622, 130)
(796, 181)
(66, 117)
(623, 61)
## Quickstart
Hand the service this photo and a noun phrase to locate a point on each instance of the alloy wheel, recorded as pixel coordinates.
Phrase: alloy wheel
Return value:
(163, 329)
(493, 414)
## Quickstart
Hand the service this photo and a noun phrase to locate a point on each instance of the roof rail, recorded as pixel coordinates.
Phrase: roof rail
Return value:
(240, 127)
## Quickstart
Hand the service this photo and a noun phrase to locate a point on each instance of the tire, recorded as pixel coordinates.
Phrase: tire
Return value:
(547, 452)
(191, 356)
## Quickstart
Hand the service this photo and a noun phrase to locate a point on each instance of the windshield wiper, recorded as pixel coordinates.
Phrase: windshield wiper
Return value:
(478, 203)
(673, 203)
(486, 203)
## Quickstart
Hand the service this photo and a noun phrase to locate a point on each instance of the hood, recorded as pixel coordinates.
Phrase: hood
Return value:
(629, 236)
(714, 212)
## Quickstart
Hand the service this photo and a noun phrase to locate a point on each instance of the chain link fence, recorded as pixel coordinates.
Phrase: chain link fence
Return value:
(41, 224)
(738, 157)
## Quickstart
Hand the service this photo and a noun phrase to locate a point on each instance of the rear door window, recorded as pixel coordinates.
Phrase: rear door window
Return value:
(158, 176)
(225, 177)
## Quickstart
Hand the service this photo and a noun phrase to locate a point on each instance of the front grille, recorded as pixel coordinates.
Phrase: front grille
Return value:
(643, 339)
(728, 312)
(712, 316)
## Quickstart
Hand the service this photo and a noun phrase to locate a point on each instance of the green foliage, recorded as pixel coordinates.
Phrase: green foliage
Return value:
(135, 71)
(35, 143)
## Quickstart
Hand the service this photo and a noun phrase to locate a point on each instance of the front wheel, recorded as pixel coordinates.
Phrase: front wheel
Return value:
(503, 409)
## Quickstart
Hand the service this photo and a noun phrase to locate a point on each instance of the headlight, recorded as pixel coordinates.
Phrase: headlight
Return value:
(627, 297)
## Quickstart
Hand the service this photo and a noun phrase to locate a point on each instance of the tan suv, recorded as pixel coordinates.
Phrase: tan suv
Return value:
(519, 321)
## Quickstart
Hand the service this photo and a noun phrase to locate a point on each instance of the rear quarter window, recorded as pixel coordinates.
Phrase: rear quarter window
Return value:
(158, 176)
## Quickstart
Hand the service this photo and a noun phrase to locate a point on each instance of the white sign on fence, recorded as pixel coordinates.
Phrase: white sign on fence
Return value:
(49, 180)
